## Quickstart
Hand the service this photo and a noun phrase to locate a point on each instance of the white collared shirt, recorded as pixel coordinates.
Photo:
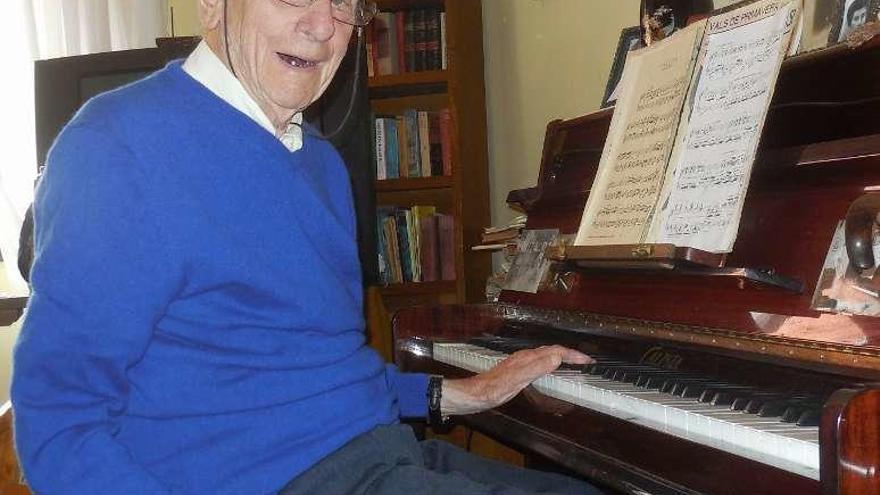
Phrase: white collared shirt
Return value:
(205, 67)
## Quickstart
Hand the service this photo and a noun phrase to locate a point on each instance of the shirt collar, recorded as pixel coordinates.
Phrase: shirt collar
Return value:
(205, 67)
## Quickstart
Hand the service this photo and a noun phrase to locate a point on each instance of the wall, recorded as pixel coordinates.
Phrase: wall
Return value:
(544, 60)
(186, 17)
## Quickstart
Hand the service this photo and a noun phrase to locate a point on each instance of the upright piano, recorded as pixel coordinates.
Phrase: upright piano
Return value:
(708, 380)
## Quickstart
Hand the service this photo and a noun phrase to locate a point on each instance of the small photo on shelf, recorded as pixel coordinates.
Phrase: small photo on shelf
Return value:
(849, 15)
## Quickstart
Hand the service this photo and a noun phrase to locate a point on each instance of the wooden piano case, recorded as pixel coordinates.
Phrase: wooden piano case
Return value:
(820, 154)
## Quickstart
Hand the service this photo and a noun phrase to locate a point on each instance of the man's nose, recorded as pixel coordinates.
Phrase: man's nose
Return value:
(317, 21)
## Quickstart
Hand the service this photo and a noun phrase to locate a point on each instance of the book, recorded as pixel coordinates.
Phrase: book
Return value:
(403, 244)
(379, 148)
(685, 131)
(389, 230)
(413, 148)
(446, 140)
(418, 21)
(429, 248)
(400, 18)
(443, 55)
(424, 144)
(402, 146)
(432, 40)
(392, 155)
(409, 46)
(435, 144)
(446, 244)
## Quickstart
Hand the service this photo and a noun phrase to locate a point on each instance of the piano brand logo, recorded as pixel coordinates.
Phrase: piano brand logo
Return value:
(662, 358)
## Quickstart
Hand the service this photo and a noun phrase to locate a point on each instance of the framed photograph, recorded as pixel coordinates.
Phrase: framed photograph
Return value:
(847, 15)
(630, 39)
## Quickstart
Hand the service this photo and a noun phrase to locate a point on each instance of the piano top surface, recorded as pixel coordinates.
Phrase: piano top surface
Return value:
(820, 151)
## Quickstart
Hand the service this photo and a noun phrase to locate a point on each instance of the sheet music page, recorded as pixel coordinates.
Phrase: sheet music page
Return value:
(632, 168)
(712, 162)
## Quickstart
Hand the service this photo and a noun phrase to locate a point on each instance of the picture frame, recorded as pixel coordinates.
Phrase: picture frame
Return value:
(630, 39)
(847, 15)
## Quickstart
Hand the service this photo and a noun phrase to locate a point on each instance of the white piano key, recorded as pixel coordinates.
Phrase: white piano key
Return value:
(766, 440)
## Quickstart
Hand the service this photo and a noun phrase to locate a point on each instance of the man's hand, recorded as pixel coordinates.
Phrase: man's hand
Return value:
(500, 384)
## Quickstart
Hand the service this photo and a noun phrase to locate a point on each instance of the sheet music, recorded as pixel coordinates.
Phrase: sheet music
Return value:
(632, 168)
(710, 168)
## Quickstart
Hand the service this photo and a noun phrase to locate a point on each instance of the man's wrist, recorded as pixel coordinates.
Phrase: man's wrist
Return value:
(435, 400)
(463, 396)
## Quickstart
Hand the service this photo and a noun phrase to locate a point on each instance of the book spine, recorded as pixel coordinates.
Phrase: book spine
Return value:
(419, 39)
(428, 248)
(403, 245)
(382, 247)
(402, 146)
(443, 55)
(379, 147)
(446, 140)
(392, 163)
(400, 40)
(446, 242)
(424, 144)
(412, 231)
(432, 40)
(435, 143)
(389, 228)
(413, 147)
(410, 43)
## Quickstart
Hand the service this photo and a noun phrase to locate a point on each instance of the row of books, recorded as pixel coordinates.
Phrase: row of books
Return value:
(415, 144)
(406, 41)
(415, 244)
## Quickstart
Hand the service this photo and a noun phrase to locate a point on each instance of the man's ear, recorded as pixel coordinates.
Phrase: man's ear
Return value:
(210, 14)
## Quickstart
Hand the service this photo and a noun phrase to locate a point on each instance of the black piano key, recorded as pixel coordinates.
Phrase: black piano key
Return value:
(708, 395)
(810, 417)
(773, 409)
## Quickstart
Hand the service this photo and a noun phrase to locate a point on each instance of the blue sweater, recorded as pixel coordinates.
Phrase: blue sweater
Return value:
(196, 318)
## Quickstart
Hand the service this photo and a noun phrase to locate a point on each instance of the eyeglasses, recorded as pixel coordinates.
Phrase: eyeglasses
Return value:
(354, 12)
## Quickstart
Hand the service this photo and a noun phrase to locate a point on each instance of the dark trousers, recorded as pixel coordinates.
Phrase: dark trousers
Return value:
(390, 461)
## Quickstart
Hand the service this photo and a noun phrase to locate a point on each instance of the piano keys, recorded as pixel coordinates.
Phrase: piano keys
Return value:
(714, 381)
(738, 419)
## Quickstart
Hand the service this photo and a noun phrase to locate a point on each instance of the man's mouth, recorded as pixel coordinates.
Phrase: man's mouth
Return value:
(296, 61)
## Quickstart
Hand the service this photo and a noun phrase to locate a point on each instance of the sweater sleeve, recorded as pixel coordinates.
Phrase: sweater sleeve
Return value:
(102, 278)
(412, 392)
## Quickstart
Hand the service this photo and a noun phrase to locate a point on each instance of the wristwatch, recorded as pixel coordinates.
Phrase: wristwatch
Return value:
(435, 394)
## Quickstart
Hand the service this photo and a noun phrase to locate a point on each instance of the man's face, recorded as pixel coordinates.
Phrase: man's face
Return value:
(285, 56)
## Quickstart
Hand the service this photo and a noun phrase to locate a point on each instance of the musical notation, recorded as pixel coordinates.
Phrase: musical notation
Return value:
(704, 200)
(643, 129)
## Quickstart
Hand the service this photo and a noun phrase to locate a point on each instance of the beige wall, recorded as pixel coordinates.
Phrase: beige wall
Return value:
(544, 60)
(186, 19)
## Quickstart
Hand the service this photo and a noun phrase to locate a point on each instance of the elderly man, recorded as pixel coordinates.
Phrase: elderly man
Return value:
(195, 324)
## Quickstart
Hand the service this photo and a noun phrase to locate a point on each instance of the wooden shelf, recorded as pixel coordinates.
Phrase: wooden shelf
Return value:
(415, 288)
(415, 183)
(432, 77)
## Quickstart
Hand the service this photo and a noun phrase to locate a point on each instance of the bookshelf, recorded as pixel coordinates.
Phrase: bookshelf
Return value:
(463, 192)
